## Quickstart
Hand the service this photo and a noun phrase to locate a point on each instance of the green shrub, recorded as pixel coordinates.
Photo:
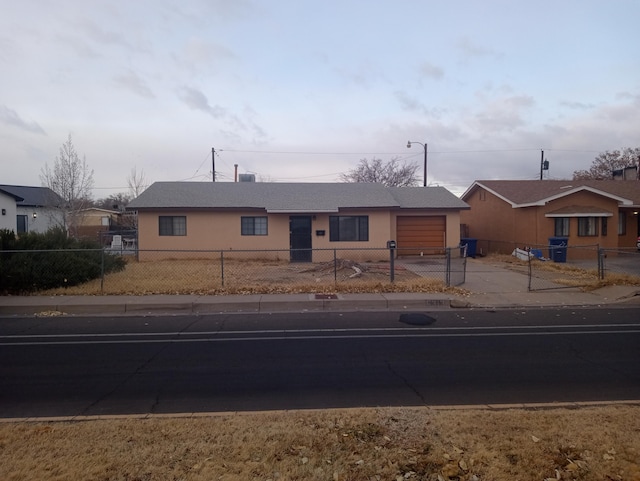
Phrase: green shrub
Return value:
(34, 261)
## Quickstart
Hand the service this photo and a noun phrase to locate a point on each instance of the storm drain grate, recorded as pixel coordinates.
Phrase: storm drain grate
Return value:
(326, 296)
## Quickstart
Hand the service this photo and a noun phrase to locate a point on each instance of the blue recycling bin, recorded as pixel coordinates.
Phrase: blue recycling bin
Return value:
(558, 249)
(471, 246)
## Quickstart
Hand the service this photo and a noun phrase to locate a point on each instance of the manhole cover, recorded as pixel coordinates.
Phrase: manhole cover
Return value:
(326, 296)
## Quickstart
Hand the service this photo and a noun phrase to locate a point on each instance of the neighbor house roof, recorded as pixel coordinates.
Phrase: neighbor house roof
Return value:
(525, 193)
(290, 197)
(17, 198)
(33, 196)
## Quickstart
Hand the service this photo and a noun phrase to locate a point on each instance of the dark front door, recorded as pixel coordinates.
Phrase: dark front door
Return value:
(300, 238)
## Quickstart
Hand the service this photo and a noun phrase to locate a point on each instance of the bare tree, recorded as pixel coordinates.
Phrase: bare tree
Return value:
(605, 163)
(392, 173)
(72, 180)
(137, 182)
(116, 201)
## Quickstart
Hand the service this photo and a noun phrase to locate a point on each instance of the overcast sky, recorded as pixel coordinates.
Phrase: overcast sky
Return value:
(301, 90)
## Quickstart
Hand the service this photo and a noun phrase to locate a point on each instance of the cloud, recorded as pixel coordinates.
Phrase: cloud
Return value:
(196, 100)
(577, 105)
(11, 117)
(503, 114)
(470, 49)
(135, 84)
(429, 70)
(412, 104)
(102, 36)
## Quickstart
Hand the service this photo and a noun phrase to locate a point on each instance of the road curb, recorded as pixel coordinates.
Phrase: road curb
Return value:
(212, 414)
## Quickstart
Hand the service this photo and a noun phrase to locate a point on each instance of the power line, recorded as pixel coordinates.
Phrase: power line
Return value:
(478, 151)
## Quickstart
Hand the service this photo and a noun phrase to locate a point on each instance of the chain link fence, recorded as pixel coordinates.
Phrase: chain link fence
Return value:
(561, 266)
(238, 271)
(622, 263)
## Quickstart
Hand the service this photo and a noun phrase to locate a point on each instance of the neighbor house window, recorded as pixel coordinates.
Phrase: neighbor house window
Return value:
(587, 226)
(561, 227)
(22, 224)
(348, 228)
(253, 225)
(172, 225)
(622, 223)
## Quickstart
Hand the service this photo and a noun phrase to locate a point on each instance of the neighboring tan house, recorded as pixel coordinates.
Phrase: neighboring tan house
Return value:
(93, 221)
(36, 209)
(529, 212)
(295, 218)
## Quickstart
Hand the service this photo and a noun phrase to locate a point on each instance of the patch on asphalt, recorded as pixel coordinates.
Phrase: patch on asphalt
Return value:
(416, 319)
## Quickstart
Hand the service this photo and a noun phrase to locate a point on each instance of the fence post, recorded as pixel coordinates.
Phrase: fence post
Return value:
(600, 263)
(530, 271)
(447, 274)
(102, 270)
(335, 267)
(392, 260)
(222, 267)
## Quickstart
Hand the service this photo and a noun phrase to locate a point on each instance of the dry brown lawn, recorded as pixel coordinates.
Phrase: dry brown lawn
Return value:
(596, 443)
(591, 443)
(204, 277)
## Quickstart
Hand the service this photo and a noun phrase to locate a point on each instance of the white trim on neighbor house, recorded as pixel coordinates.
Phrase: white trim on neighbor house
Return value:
(574, 190)
(581, 214)
(498, 195)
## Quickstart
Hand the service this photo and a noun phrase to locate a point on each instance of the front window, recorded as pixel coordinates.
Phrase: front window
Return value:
(253, 225)
(348, 228)
(561, 227)
(622, 223)
(587, 226)
(172, 225)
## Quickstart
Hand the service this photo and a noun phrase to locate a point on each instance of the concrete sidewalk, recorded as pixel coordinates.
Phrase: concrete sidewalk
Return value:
(489, 286)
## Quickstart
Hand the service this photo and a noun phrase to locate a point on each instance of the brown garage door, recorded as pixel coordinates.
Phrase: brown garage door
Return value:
(416, 234)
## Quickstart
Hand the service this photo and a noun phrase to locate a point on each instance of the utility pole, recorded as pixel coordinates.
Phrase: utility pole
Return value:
(544, 164)
(213, 163)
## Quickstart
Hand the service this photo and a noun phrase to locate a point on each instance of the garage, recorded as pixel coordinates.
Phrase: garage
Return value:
(421, 234)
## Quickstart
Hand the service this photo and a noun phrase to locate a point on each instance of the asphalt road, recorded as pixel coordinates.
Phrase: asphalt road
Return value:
(233, 362)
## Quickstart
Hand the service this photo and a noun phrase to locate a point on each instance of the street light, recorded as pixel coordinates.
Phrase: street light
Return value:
(425, 158)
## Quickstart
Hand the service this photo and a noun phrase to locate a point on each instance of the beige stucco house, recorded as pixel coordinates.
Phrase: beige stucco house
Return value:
(600, 213)
(294, 218)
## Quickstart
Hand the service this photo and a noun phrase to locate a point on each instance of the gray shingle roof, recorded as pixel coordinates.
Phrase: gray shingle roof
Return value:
(33, 196)
(290, 197)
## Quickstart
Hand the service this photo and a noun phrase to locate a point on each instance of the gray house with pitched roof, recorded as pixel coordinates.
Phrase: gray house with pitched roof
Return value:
(30, 209)
(295, 217)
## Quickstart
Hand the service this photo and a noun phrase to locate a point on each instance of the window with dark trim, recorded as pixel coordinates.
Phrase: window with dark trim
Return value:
(253, 226)
(622, 223)
(603, 226)
(348, 228)
(587, 226)
(561, 227)
(172, 225)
